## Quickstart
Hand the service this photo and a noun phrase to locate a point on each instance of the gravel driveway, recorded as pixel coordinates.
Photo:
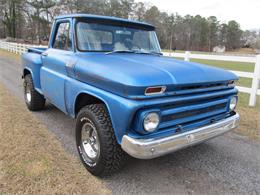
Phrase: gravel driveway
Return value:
(229, 164)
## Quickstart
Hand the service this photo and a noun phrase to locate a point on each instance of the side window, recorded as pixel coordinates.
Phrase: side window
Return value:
(63, 37)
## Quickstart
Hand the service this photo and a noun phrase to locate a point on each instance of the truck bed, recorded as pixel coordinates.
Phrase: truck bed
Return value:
(32, 62)
(38, 50)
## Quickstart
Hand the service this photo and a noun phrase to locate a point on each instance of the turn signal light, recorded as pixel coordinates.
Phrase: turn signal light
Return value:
(231, 83)
(155, 90)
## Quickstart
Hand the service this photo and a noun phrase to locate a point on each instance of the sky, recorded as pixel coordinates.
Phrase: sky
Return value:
(245, 12)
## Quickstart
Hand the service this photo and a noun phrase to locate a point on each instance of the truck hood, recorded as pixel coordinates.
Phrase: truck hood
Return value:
(129, 74)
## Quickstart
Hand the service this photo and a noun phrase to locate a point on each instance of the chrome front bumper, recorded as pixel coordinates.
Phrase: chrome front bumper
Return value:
(154, 147)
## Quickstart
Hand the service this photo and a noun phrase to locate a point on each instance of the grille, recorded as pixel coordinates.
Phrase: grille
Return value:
(194, 112)
(181, 90)
(173, 116)
(202, 86)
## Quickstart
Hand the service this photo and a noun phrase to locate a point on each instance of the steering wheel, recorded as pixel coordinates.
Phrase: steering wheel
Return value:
(129, 44)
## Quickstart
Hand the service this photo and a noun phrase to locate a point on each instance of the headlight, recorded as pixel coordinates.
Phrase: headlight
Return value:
(151, 121)
(233, 103)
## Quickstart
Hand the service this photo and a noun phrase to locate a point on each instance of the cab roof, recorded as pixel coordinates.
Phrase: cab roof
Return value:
(108, 19)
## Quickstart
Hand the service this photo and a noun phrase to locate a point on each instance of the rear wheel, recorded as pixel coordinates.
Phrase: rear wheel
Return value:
(34, 100)
(96, 141)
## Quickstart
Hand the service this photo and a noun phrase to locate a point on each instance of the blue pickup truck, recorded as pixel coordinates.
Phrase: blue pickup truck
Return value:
(109, 74)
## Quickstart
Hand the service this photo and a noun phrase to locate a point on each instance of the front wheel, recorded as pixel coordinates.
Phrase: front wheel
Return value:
(96, 141)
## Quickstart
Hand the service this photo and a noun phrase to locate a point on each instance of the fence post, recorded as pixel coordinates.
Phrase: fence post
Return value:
(16, 48)
(255, 82)
(187, 56)
(19, 47)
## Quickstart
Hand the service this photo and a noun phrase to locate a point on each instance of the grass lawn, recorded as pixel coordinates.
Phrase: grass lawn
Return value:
(33, 161)
(241, 51)
(249, 123)
(193, 52)
(237, 66)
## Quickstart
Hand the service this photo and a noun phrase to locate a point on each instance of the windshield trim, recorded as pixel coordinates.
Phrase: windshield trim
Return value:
(127, 23)
(107, 23)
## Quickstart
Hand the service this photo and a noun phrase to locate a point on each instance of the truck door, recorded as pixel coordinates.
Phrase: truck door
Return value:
(53, 74)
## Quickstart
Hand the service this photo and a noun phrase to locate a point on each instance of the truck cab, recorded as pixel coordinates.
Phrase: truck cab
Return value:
(126, 97)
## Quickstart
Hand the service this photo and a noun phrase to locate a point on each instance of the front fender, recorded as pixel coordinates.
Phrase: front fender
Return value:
(121, 110)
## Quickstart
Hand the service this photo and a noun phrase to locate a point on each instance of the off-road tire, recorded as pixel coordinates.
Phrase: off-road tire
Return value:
(111, 156)
(37, 101)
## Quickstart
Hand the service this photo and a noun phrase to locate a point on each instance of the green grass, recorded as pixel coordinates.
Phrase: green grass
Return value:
(241, 51)
(249, 117)
(244, 82)
(243, 99)
(237, 66)
(193, 52)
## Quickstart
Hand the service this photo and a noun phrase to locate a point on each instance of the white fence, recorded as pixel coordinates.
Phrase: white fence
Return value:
(17, 48)
(255, 76)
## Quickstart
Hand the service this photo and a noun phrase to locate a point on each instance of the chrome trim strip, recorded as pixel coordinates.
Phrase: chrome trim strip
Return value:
(155, 147)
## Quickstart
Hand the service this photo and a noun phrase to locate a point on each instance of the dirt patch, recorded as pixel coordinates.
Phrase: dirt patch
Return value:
(10, 55)
(32, 161)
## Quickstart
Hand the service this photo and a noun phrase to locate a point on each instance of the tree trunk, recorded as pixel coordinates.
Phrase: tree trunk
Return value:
(13, 20)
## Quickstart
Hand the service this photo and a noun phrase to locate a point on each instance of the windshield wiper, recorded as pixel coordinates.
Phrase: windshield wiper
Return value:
(134, 51)
(120, 51)
(149, 53)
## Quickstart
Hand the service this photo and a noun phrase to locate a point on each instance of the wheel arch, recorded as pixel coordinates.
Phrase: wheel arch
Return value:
(26, 71)
(85, 98)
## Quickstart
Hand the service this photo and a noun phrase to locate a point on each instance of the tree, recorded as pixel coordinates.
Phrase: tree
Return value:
(92, 6)
(257, 43)
(249, 38)
(213, 25)
(222, 38)
(139, 10)
(234, 34)
(120, 8)
(157, 18)
(39, 13)
(170, 27)
(10, 11)
(31, 19)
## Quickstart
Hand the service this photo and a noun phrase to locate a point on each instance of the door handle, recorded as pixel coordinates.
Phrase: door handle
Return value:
(44, 54)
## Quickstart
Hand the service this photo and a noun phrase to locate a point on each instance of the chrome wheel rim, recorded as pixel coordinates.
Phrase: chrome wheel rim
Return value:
(90, 141)
(28, 94)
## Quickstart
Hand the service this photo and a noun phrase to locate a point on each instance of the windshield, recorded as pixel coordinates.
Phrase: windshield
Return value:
(109, 38)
